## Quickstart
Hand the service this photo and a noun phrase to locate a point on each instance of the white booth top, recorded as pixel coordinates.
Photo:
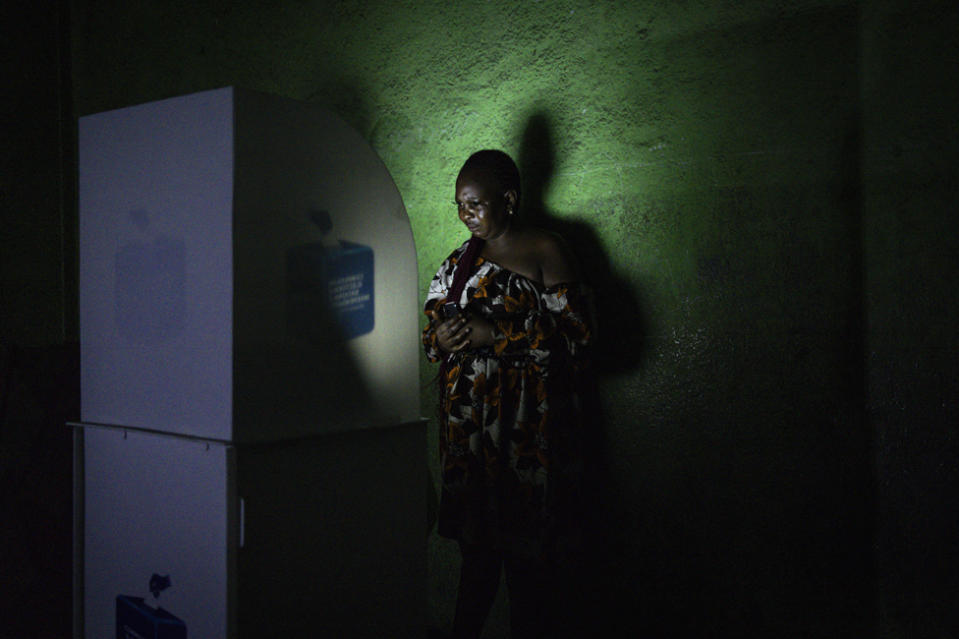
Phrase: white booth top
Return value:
(247, 272)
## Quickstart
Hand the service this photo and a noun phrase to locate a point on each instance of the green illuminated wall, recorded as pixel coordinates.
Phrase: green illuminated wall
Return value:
(756, 202)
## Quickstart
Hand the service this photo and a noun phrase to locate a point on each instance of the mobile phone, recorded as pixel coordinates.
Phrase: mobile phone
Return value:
(451, 310)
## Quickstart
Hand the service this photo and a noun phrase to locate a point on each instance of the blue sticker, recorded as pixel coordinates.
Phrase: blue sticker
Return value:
(150, 284)
(137, 620)
(350, 286)
(338, 278)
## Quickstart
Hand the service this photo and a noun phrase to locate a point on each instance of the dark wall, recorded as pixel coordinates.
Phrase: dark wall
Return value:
(39, 385)
(910, 193)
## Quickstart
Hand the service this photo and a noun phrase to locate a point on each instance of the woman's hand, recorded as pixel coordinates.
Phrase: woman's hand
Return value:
(464, 332)
(451, 334)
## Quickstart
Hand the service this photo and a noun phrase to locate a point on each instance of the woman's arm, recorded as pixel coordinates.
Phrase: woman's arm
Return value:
(556, 261)
(560, 324)
(443, 334)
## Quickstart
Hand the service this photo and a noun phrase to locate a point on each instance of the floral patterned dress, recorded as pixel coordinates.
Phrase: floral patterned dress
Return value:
(510, 422)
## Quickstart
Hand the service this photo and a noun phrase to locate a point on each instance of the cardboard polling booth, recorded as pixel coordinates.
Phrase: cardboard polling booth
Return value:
(251, 432)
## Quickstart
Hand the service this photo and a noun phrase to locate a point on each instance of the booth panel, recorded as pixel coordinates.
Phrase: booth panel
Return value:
(334, 536)
(156, 274)
(326, 326)
(155, 550)
(239, 247)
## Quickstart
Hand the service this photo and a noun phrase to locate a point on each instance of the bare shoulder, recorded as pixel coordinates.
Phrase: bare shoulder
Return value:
(546, 244)
(554, 256)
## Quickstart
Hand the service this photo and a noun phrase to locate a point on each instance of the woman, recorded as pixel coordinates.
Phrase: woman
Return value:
(507, 323)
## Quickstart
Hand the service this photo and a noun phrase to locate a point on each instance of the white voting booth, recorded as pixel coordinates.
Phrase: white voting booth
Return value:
(250, 457)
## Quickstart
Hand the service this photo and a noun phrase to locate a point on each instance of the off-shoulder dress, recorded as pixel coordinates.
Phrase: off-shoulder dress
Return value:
(511, 424)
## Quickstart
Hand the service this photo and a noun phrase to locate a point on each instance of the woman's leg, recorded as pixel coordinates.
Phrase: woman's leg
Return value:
(531, 595)
(479, 581)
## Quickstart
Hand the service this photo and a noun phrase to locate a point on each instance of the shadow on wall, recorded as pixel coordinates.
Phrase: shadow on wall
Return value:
(347, 100)
(755, 484)
(744, 504)
(620, 325)
(619, 321)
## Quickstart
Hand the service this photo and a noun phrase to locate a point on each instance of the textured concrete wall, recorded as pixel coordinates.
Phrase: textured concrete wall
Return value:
(34, 178)
(910, 194)
(39, 380)
(753, 223)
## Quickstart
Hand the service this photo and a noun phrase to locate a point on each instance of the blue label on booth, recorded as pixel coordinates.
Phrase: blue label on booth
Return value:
(136, 620)
(149, 286)
(339, 278)
(350, 286)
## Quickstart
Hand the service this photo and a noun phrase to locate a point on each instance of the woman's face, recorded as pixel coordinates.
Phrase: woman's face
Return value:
(481, 205)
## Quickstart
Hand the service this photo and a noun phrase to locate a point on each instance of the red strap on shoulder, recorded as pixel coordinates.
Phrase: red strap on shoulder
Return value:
(464, 268)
